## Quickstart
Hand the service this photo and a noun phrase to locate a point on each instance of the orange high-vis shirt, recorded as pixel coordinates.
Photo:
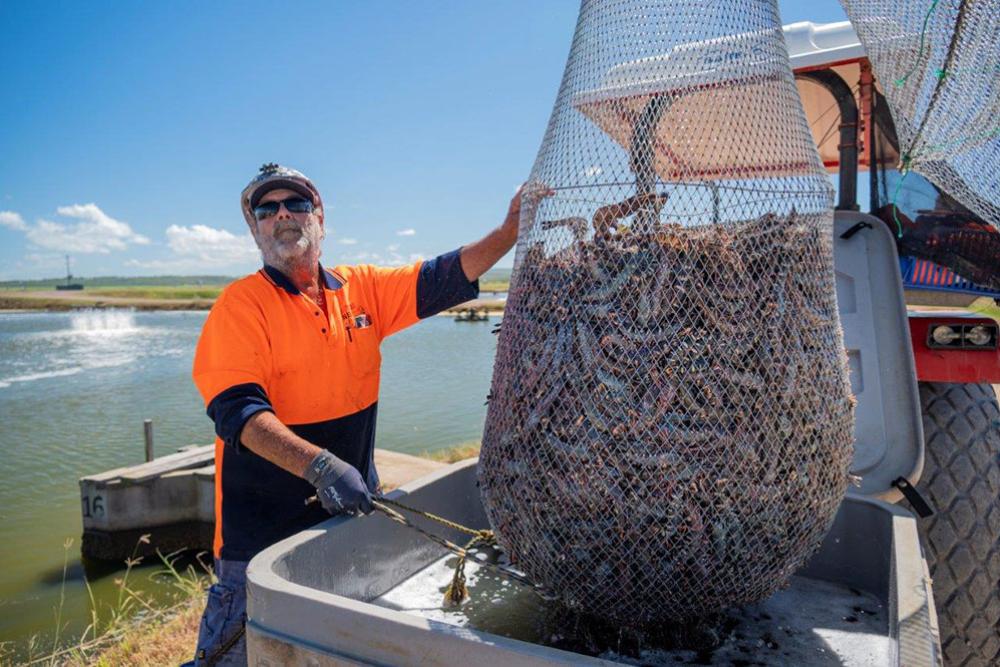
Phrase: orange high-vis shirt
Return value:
(267, 346)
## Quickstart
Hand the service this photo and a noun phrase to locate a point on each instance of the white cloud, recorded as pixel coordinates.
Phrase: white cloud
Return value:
(167, 265)
(347, 241)
(94, 232)
(406, 232)
(392, 247)
(590, 172)
(12, 220)
(393, 259)
(202, 248)
(85, 228)
(417, 257)
(390, 258)
(211, 244)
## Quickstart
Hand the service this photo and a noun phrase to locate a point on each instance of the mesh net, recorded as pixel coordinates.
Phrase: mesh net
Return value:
(937, 61)
(670, 423)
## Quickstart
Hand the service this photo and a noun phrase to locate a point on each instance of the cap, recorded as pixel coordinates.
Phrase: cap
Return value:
(273, 176)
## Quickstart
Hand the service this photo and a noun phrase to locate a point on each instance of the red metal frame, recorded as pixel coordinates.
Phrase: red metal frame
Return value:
(866, 86)
(943, 365)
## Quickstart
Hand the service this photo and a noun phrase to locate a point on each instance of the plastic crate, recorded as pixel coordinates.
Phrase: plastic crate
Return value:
(926, 275)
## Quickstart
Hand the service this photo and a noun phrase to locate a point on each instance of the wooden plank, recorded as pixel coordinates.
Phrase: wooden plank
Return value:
(132, 474)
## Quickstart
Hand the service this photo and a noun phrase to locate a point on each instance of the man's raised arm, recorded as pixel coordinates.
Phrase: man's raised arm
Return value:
(478, 257)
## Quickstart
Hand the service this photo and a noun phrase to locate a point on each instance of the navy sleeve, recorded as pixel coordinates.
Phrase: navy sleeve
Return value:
(231, 409)
(442, 284)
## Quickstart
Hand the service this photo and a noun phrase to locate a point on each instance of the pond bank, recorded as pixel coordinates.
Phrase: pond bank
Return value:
(168, 636)
(11, 300)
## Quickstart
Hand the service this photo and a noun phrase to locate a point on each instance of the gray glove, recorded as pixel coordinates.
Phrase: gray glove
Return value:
(339, 486)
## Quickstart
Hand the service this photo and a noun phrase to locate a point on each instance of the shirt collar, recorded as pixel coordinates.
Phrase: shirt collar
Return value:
(331, 281)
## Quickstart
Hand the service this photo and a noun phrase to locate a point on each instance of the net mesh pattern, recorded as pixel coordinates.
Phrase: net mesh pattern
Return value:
(670, 424)
(938, 65)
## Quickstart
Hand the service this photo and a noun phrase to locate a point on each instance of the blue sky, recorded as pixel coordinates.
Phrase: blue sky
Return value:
(128, 129)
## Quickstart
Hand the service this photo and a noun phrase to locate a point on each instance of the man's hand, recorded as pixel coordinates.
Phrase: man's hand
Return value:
(479, 257)
(528, 196)
(339, 485)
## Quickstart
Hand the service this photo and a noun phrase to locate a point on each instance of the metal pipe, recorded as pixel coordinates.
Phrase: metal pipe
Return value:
(866, 94)
(848, 147)
(147, 428)
(642, 159)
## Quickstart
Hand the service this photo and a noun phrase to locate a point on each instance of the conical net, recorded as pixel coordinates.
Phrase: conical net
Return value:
(670, 423)
(938, 62)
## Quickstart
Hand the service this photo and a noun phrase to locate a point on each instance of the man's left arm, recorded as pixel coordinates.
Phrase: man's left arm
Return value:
(479, 257)
(407, 294)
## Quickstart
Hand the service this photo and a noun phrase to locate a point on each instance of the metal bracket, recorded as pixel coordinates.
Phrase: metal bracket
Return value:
(917, 501)
(855, 229)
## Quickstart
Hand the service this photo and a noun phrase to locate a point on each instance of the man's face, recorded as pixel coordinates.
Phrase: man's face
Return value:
(286, 237)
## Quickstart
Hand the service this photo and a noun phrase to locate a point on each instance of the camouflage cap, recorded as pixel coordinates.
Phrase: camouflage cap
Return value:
(273, 176)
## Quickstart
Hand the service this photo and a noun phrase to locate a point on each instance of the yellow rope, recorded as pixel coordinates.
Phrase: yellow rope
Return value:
(457, 592)
(399, 518)
(434, 517)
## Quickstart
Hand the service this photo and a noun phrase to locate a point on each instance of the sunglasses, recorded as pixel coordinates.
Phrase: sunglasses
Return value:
(292, 205)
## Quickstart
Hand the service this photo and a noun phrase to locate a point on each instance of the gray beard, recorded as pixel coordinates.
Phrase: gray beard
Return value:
(293, 257)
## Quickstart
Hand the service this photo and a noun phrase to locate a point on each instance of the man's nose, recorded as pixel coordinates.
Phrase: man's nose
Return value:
(283, 213)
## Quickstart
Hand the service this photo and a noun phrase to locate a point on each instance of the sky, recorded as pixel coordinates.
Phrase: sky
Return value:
(128, 129)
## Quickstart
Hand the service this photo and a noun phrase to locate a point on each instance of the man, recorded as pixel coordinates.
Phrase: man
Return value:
(288, 365)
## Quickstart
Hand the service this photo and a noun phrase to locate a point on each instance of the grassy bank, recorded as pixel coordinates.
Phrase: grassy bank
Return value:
(147, 293)
(466, 450)
(170, 641)
(46, 301)
(146, 299)
(130, 630)
(28, 301)
(156, 297)
(159, 292)
(494, 285)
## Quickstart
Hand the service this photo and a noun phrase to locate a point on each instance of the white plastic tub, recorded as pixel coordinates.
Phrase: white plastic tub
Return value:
(323, 597)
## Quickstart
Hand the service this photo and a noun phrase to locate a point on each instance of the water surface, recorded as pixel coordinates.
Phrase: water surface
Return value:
(75, 388)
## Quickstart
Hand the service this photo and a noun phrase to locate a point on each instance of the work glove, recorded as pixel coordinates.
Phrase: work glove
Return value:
(339, 486)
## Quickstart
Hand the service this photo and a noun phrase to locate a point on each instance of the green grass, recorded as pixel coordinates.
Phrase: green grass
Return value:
(158, 292)
(98, 282)
(987, 307)
(466, 450)
(494, 285)
(132, 630)
(188, 291)
(27, 302)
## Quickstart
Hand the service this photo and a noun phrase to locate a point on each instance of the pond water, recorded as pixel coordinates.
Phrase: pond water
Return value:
(75, 388)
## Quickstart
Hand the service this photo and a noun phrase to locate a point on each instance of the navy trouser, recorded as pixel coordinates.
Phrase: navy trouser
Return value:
(221, 636)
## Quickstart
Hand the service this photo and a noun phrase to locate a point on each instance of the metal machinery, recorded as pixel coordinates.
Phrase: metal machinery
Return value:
(948, 257)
